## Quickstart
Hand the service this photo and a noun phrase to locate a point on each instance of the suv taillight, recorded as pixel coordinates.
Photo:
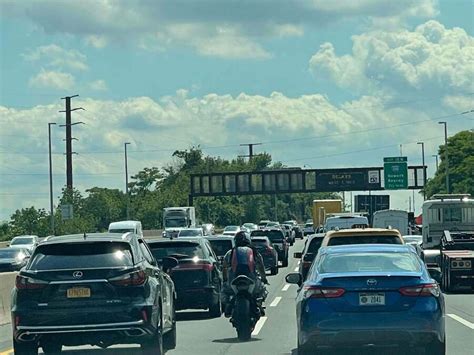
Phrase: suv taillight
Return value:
(323, 292)
(135, 278)
(29, 283)
(421, 290)
(269, 250)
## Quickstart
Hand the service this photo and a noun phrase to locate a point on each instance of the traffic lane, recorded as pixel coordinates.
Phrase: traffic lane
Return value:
(459, 337)
(199, 334)
(461, 304)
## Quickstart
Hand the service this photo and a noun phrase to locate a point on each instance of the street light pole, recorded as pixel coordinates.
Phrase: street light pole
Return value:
(126, 180)
(424, 169)
(446, 158)
(51, 207)
(436, 157)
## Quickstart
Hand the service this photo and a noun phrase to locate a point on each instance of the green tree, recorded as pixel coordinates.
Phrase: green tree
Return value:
(461, 166)
(29, 221)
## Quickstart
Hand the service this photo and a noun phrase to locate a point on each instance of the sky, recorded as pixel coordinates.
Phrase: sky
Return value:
(321, 84)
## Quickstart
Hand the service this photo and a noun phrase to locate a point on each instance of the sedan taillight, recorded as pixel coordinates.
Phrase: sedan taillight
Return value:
(135, 278)
(322, 292)
(29, 283)
(421, 290)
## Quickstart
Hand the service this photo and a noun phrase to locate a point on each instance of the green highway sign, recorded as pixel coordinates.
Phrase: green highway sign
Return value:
(395, 171)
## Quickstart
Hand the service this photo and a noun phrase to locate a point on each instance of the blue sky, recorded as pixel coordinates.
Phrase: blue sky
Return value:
(166, 76)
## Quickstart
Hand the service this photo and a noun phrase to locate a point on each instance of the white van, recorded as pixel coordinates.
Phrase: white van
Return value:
(345, 222)
(126, 226)
(396, 219)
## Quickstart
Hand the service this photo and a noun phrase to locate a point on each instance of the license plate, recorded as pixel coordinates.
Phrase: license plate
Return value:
(79, 292)
(372, 299)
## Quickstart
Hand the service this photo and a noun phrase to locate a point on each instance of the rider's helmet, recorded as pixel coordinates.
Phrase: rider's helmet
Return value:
(242, 239)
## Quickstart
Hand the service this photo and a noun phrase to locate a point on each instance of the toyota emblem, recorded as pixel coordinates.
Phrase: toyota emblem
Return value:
(371, 282)
(77, 274)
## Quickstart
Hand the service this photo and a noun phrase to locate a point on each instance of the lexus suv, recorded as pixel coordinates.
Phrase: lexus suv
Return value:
(93, 289)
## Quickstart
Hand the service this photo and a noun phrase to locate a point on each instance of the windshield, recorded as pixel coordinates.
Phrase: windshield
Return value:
(231, 228)
(221, 247)
(364, 239)
(83, 255)
(121, 230)
(190, 233)
(413, 239)
(273, 235)
(22, 241)
(175, 223)
(367, 262)
(179, 249)
(7, 253)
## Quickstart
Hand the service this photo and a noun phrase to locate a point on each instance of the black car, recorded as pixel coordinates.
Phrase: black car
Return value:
(13, 259)
(296, 228)
(99, 289)
(311, 248)
(268, 252)
(198, 277)
(278, 240)
(290, 233)
(221, 244)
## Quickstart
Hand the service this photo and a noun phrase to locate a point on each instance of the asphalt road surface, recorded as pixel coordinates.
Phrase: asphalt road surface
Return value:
(275, 333)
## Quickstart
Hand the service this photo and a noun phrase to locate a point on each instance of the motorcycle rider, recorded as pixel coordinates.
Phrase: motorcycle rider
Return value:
(243, 259)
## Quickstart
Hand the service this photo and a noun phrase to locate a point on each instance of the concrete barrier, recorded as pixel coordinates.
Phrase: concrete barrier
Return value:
(7, 282)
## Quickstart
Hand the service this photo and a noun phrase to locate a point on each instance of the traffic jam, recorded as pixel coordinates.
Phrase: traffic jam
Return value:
(353, 284)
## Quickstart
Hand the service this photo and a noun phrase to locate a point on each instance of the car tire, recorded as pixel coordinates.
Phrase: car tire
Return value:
(170, 338)
(154, 345)
(215, 309)
(436, 348)
(284, 263)
(274, 270)
(51, 347)
(303, 350)
(21, 348)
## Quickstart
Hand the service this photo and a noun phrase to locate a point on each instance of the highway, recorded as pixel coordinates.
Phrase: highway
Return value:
(275, 333)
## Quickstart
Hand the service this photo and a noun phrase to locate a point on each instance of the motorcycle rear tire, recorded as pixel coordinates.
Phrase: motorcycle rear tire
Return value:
(242, 319)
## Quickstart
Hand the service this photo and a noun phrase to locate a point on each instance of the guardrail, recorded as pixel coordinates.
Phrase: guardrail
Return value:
(7, 281)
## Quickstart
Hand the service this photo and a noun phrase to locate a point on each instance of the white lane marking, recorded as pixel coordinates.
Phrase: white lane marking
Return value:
(275, 302)
(461, 320)
(297, 268)
(299, 261)
(286, 287)
(259, 325)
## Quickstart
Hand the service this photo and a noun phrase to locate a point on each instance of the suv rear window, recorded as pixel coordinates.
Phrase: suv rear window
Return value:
(314, 245)
(84, 255)
(176, 249)
(365, 239)
(221, 247)
(273, 235)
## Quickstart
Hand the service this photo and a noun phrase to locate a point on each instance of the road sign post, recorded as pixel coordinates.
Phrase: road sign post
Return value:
(395, 171)
(66, 212)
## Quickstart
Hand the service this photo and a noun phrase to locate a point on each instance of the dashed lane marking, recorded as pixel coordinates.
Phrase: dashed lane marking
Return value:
(275, 302)
(461, 320)
(257, 329)
(297, 268)
(299, 261)
(286, 287)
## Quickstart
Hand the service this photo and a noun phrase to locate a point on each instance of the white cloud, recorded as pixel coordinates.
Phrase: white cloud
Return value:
(57, 57)
(48, 79)
(430, 59)
(154, 22)
(98, 85)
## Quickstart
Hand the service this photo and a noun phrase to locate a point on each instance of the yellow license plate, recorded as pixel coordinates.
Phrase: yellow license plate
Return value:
(79, 292)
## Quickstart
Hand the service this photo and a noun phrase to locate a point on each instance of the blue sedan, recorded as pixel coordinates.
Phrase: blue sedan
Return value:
(369, 295)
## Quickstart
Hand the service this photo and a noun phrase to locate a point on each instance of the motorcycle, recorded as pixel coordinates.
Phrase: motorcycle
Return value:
(246, 310)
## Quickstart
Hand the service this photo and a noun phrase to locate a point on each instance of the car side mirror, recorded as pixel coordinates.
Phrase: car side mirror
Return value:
(169, 263)
(297, 255)
(435, 274)
(294, 278)
(309, 257)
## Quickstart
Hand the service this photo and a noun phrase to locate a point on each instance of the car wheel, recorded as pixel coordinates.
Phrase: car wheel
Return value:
(436, 348)
(303, 350)
(215, 310)
(154, 345)
(169, 339)
(51, 347)
(284, 263)
(29, 348)
(274, 270)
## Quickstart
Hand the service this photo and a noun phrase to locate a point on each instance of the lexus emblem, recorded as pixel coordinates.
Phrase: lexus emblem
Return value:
(77, 274)
(371, 282)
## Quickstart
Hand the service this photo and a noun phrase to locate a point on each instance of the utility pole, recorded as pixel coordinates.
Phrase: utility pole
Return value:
(436, 157)
(424, 169)
(126, 180)
(51, 207)
(68, 125)
(446, 158)
(250, 145)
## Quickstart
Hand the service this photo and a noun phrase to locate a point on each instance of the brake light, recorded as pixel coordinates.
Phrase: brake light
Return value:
(322, 292)
(269, 251)
(135, 278)
(421, 290)
(29, 283)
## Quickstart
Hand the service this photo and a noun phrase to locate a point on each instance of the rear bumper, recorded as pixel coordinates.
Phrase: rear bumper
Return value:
(197, 297)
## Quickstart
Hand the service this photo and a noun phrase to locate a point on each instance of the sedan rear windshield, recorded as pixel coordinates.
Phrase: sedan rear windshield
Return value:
(86, 255)
(273, 235)
(314, 245)
(22, 241)
(177, 249)
(221, 247)
(365, 239)
(369, 262)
